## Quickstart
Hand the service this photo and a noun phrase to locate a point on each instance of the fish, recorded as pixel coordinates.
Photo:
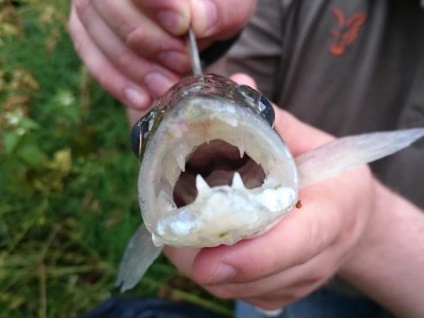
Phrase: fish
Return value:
(213, 170)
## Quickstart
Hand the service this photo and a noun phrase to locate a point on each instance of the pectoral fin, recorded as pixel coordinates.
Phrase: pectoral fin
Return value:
(139, 255)
(349, 152)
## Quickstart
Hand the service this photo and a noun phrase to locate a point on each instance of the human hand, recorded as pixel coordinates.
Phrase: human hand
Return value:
(303, 250)
(136, 49)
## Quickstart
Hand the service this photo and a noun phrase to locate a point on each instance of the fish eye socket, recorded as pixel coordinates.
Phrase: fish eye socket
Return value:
(266, 110)
(141, 130)
(258, 102)
(136, 138)
(251, 95)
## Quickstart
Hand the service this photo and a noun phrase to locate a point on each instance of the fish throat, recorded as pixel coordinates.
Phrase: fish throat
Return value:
(216, 162)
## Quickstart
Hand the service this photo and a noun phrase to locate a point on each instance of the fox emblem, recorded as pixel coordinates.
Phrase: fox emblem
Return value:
(346, 32)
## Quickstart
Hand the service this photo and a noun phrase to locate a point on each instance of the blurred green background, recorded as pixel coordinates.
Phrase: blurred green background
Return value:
(68, 200)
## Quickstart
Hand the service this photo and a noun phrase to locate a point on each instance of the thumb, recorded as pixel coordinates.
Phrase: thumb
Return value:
(299, 136)
(220, 18)
(244, 79)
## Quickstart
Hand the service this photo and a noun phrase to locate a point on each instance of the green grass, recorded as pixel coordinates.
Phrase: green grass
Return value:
(68, 200)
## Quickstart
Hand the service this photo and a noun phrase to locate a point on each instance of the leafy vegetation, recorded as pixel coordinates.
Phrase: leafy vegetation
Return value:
(67, 177)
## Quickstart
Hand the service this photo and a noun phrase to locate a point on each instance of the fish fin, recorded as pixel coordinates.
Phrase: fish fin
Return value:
(139, 255)
(349, 152)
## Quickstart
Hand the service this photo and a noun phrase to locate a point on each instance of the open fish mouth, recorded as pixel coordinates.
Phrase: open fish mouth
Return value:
(213, 173)
(218, 163)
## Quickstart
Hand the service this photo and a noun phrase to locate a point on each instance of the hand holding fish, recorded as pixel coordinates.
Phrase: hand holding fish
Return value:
(134, 47)
(276, 259)
(375, 243)
(303, 250)
(349, 225)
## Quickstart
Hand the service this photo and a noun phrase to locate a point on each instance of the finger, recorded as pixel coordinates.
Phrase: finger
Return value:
(299, 136)
(267, 288)
(220, 18)
(155, 78)
(296, 239)
(173, 15)
(142, 34)
(244, 79)
(105, 72)
(294, 282)
(182, 258)
(301, 235)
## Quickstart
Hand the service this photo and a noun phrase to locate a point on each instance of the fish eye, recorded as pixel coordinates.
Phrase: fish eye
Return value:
(250, 94)
(266, 110)
(258, 103)
(136, 138)
(141, 130)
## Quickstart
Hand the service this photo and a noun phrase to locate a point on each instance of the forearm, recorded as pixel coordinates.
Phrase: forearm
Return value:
(388, 264)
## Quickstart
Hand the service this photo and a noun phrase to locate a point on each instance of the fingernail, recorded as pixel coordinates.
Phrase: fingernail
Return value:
(207, 16)
(176, 61)
(157, 83)
(171, 21)
(223, 274)
(135, 98)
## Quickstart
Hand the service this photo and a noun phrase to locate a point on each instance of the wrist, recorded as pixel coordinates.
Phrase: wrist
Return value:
(387, 263)
(372, 238)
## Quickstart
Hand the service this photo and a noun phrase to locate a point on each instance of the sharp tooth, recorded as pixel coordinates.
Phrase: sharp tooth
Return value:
(241, 150)
(237, 182)
(180, 161)
(201, 185)
(164, 201)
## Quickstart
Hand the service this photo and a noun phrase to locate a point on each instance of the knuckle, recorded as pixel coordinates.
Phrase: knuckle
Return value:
(125, 30)
(316, 242)
(139, 41)
(310, 282)
(295, 292)
(303, 291)
(127, 60)
(135, 37)
(148, 44)
(318, 277)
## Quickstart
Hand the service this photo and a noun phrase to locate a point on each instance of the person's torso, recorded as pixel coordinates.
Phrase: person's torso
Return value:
(346, 67)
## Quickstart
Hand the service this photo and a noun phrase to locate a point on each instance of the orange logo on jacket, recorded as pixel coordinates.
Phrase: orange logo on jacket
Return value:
(346, 31)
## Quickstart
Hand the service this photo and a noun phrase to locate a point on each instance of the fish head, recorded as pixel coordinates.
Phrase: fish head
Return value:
(213, 170)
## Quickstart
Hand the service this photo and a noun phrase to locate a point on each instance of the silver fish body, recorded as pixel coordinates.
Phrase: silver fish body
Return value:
(214, 171)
